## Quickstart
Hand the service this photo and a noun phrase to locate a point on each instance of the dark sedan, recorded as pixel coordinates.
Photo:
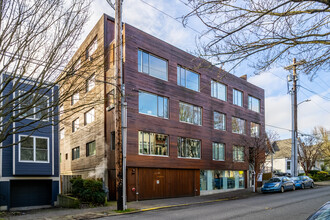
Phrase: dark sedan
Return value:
(301, 182)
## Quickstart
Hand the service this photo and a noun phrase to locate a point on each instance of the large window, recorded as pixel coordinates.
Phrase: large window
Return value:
(90, 149)
(219, 121)
(154, 105)
(238, 153)
(153, 144)
(254, 104)
(90, 83)
(218, 90)
(62, 133)
(152, 65)
(190, 113)
(75, 153)
(255, 129)
(188, 79)
(237, 97)
(75, 98)
(91, 48)
(33, 106)
(75, 125)
(189, 148)
(33, 149)
(218, 151)
(238, 125)
(89, 116)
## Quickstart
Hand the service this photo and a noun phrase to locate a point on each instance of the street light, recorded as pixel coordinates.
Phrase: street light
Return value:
(307, 100)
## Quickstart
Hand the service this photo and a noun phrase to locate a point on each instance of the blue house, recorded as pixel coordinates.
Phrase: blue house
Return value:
(29, 153)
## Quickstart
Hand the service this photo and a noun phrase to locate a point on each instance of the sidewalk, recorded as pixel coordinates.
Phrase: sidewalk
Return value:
(92, 213)
(323, 183)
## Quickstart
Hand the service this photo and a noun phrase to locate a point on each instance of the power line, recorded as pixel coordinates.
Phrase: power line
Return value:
(315, 103)
(315, 93)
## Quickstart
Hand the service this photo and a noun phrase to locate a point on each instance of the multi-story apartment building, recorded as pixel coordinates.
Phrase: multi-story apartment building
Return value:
(186, 119)
(29, 162)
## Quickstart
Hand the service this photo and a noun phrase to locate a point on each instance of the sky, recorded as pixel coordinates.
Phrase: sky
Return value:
(161, 18)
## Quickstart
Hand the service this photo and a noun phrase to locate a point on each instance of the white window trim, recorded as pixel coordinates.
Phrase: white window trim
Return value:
(88, 113)
(241, 99)
(249, 103)
(34, 150)
(62, 130)
(34, 109)
(91, 78)
(75, 98)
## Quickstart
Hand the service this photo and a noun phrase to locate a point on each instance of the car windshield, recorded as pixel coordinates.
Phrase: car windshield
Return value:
(295, 178)
(274, 180)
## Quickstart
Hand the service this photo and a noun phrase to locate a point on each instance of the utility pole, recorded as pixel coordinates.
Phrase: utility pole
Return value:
(293, 91)
(120, 111)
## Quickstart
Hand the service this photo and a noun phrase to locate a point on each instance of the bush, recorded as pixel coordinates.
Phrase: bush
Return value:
(88, 190)
(301, 174)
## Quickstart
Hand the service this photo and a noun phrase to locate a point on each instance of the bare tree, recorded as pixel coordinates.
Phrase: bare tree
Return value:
(264, 32)
(37, 42)
(258, 147)
(309, 150)
(323, 133)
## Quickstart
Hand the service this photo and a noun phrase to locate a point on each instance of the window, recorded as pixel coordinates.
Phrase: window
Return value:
(62, 133)
(188, 79)
(33, 149)
(219, 121)
(75, 98)
(218, 151)
(90, 84)
(254, 104)
(111, 98)
(154, 105)
(66, 156)
(238, 153)
(190, 113)
(89, 116)
(113, 140)
(255, 129)
(91, 48)
(288, 165)
(75, 125)
(189, 148)
(218, 90)
(75, 153)
(33, 106)
(76, 66)
(238, 125)
(152, 65)
(61, 110)
(90, 149)
(153, 144)
(237, 97)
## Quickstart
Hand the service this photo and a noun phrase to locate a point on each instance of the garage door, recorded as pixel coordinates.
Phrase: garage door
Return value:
(30, 193)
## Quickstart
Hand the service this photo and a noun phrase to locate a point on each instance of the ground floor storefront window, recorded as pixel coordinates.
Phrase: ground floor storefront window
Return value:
(211, 180)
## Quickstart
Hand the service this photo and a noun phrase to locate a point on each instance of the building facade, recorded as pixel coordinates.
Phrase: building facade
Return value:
(29, 162)
(186, 119)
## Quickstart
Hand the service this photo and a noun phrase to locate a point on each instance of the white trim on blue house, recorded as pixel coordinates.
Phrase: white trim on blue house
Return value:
(14, 135)
(1, 160)
(34, 149)
(53, 130)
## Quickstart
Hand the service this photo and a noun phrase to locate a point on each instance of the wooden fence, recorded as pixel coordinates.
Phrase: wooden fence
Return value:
(66, 186)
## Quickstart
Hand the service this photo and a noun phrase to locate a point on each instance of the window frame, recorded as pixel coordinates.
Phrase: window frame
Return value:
(185, 77)
(74, 127)
(75, 98)
(140, 63)
(34, 107)
(250, 103)
(74, 153)
(225, 121)
(232, 127)
(90, 79)
(92, 43)
(34, 149)
(185, 141)
(88, 113)
(62, 135)
(199, 109)
(88, 149)
(235, 153)
(215, 83)
(213, 150)
(242, 99)
(149, 147)
(258, 126)
(157, 97)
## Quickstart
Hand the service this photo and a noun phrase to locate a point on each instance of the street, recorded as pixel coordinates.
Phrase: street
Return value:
(297, 204)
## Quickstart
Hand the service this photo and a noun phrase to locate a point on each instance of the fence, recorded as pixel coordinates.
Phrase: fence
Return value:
(66, 186)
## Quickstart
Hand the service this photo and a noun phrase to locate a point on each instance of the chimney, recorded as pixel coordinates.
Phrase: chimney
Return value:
(244, 77)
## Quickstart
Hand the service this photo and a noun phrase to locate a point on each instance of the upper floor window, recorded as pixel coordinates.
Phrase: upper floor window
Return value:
(153, 144)
(238, 125)
(90, 84)
(255, 129)
(62, 133)
(237, 97)
(238, 153)
(218, 151)
(75, 125)
(91, 48)
(75, 153)
(254, 104)
(218, 90)
(33, 106)
(33, 149)
(154, 105)
(75, 98)
(89, 116)
(190, 113)
(189, 148)
(61, 110)
(90, 148)
(219, 121)
(152, 65)
(188, 79)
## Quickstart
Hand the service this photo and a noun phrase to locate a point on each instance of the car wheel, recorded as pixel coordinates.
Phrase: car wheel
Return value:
(302, 186)
(282, 189)
(293, 187)
(312, 186)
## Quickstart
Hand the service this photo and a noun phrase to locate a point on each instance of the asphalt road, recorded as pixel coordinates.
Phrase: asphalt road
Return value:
(295, 205)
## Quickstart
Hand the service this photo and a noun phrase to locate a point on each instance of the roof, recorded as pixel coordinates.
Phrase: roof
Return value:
(284, 149)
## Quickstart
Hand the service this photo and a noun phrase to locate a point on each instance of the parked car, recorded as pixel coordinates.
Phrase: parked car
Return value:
(322, 214)
(278, 184)
(301, 182)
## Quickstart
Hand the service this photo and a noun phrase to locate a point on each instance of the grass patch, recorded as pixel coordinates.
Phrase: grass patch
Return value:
(125, 211)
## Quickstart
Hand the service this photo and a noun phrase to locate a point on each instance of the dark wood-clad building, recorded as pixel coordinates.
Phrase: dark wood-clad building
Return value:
(185, 117)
